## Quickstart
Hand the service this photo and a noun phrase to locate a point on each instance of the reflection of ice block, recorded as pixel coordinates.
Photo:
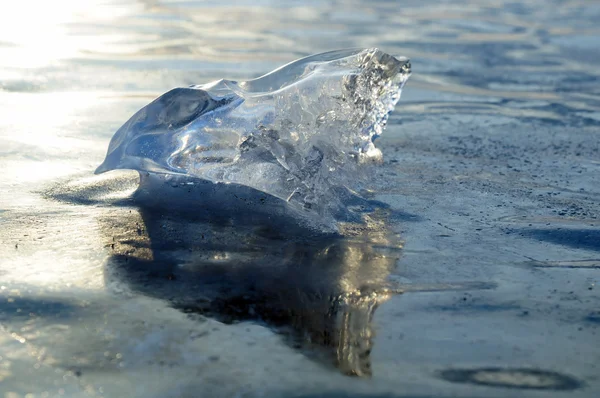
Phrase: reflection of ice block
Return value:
(294, 133)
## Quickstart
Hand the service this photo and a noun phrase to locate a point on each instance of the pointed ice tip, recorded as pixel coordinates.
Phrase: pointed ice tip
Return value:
(101, 169)
(406, 67)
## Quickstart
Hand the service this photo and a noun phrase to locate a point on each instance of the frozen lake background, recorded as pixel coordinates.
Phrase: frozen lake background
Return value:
(492, 168)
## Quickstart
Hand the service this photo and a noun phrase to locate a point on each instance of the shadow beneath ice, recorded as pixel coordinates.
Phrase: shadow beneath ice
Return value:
(235, 254)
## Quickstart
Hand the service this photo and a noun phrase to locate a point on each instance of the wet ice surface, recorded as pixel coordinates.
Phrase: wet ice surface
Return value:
(299, 133)
(490, 178)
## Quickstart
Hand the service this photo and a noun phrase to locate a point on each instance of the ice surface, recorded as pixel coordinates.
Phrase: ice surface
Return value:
(298, 133)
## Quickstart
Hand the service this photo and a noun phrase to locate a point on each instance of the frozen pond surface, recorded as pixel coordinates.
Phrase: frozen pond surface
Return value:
(491, 180)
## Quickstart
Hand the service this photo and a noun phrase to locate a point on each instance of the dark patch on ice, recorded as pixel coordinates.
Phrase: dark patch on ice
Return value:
(593, 316)
(588, 239)
(30, 307)
(519, 378)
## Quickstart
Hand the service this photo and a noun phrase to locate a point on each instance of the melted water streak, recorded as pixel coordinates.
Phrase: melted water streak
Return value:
(479, 108)
(592, 263)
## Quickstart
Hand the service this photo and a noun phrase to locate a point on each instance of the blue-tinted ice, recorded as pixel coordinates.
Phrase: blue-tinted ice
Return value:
(297, 133)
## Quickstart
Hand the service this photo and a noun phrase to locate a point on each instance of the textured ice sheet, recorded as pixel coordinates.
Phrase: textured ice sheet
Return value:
(299, 133)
